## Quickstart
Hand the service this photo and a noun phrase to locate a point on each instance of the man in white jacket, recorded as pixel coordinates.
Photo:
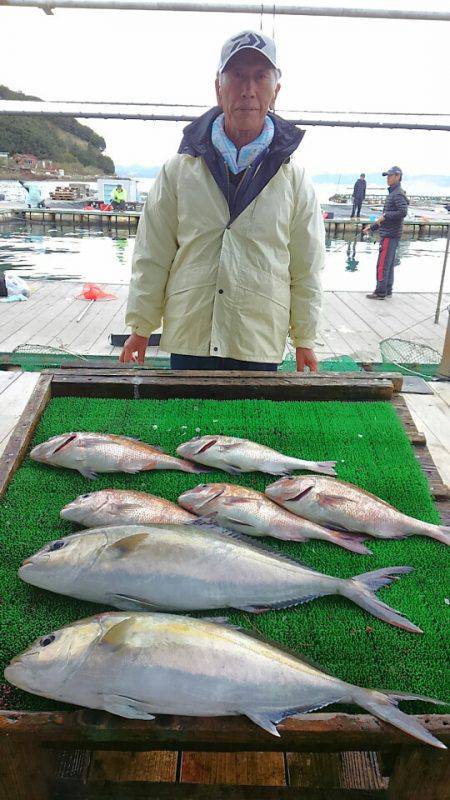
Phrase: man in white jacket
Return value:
(230, 244)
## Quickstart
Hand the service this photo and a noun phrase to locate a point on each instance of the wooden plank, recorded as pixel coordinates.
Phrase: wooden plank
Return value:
(185, 791)
(220, 387)
(99, 368)
(439, 490)
(13, 402)
(23, 432)
(249, 769)
(422, 774)
(434, 414)
(155, 766)
(6, 379)
(331, 732)
(352, 770)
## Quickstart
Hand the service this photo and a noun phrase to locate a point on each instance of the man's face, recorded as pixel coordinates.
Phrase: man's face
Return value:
(392, 180)
(246, 91)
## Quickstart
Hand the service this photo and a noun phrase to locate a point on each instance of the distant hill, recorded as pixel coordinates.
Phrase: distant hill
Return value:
(60, 139)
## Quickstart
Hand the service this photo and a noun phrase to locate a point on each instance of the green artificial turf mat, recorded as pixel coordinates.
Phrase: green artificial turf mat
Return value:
(371, 449)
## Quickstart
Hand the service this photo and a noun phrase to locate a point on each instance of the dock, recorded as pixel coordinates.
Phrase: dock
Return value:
(337, 227)
(352, 325)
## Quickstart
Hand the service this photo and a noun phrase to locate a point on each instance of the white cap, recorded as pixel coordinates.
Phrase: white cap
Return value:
(249, 40)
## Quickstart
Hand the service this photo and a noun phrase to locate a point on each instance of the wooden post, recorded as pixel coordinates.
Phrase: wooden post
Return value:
(420, 774)
(26, 769)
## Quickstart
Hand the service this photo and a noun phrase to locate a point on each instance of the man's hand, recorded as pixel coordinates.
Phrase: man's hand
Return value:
(366, 229)
(134, 349)
(305, 357)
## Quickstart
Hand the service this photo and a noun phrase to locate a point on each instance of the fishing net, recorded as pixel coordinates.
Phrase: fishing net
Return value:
(35, 357)
(409, 355)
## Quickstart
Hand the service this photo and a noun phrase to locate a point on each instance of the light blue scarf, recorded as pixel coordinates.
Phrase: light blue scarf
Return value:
(239, 160)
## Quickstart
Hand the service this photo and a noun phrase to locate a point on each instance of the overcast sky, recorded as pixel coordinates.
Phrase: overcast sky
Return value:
(327, 64)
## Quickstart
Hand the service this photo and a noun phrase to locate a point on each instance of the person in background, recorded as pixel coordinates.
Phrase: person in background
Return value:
(390, 225)
(359, 193)
(119, 198)
(34, 195)
(230, 244)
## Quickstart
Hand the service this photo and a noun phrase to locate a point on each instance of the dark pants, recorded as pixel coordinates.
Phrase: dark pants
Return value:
(214, 362)
(118, 205)
(385, 265)
(357, 203)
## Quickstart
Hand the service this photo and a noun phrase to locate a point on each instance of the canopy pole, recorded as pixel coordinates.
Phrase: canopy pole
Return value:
(233, 8)
(441, 288)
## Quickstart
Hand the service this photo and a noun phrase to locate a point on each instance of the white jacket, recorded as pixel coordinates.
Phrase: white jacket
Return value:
(230, 291)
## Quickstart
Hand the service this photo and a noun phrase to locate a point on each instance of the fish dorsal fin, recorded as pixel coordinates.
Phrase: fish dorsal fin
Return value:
(118, 635)
(207, 523)
(127, 545)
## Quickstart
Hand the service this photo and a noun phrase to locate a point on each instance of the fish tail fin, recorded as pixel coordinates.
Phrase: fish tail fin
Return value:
(324, 467)
(349, 541)
(361, 590)
(441, 533)
(385, 707)
(189, 466)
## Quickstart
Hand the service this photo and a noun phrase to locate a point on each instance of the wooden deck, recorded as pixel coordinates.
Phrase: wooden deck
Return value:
(351, 324)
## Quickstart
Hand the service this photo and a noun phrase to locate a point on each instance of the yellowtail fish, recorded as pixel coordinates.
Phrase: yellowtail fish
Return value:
(345, 506)
(91, 453)
(123, 507)
(140, 665)
(240, 455)
(193, 568)
(252, 513)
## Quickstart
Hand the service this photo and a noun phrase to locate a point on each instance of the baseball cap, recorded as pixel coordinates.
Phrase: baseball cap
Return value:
(249, 40)
(393, 171)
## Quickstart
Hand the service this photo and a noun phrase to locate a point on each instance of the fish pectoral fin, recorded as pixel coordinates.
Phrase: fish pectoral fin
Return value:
(332, 499)
(127, 545)
(263, 721)
(126, 707)
(118, 635)
(87, 473)
(128, 603)
(117, 507)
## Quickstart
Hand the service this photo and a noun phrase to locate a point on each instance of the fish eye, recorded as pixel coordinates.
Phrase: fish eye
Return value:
(84, 497)
(47, 640)
(56, 546)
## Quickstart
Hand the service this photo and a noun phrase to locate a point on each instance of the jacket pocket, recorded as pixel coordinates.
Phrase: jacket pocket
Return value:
(190, 277)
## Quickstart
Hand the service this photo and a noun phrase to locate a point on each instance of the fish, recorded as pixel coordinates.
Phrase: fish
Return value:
(193, 568)
(241, 455)
(345, 506)
(91, 453)
(123, 507)
(252, 513)
(138, 665)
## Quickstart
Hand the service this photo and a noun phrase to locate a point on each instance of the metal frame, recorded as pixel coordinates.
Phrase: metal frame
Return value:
(233, 8)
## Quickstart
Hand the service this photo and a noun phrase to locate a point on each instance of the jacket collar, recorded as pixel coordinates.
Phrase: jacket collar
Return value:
(197, 136)
(393, 188)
